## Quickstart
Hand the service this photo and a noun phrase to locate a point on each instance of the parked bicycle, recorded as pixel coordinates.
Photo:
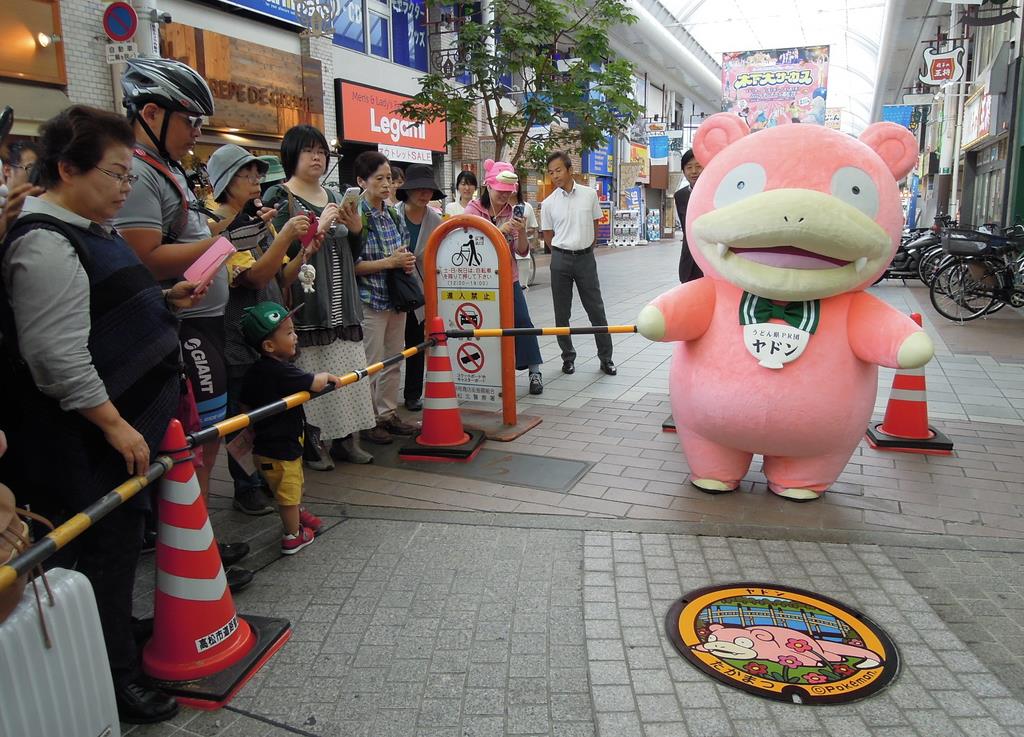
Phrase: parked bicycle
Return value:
(984, 273)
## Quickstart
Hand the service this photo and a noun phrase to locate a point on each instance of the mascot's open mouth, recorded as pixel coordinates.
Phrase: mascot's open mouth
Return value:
(789, 257)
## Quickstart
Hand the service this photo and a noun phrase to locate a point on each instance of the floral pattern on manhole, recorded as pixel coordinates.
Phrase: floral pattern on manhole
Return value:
(782, 643)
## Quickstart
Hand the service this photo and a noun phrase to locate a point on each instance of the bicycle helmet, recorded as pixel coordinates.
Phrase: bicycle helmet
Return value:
(170, 84)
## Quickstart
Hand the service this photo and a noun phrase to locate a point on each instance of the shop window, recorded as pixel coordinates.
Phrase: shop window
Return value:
(409, 33)
(30, 46)
(378, 32)
(348, 28)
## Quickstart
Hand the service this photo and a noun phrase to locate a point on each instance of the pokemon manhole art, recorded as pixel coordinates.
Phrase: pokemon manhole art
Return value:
(782, 643)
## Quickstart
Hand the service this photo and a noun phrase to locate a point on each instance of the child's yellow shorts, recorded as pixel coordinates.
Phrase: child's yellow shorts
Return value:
(284, 478)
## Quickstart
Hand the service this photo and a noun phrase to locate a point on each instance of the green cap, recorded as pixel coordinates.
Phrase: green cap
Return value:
(263, 319)
(275, 172)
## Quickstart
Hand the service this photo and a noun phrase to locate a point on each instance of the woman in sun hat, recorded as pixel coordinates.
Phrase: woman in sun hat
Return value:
(414, 197)
(256, 273)
(496, 203)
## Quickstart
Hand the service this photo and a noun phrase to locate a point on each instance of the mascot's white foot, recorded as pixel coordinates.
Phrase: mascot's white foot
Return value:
(796, 495)
(713, 486)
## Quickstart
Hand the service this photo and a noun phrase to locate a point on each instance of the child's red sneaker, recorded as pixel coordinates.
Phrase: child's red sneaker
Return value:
(291, 544)
(310, 520)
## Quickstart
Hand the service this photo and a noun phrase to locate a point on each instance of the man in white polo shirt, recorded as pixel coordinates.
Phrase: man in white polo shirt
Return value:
(569, 218)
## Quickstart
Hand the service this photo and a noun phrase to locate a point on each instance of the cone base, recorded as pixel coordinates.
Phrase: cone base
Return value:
(669, 425)
(938, 444)
(414, 451)
(214, 691)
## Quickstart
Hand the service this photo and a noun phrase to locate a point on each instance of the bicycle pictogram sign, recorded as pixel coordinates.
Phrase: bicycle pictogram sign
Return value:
(467, 255)
(470, 357)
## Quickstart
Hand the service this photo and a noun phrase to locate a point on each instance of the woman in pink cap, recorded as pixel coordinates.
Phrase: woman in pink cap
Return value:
(496, 205)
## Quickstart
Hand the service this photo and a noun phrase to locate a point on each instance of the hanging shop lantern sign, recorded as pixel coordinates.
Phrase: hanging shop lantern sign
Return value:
(943, 67)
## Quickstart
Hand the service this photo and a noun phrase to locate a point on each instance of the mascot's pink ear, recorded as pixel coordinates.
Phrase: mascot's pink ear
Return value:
(718, 132)
(895, 144)
(713, 627)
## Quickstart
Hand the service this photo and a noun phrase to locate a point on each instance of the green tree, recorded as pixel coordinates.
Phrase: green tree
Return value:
(565, 84)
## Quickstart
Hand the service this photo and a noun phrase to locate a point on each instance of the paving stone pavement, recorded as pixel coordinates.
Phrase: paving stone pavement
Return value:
(452, 630)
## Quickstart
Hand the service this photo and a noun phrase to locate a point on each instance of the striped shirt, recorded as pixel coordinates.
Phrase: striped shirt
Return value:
(382, 236)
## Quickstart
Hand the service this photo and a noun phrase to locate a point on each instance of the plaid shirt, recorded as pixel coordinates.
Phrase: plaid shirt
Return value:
(382, 236)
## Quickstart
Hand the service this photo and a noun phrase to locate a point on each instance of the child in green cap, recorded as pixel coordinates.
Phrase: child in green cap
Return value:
(277, 450)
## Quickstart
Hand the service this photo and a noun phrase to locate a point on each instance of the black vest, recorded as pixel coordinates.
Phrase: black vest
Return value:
(133, 342)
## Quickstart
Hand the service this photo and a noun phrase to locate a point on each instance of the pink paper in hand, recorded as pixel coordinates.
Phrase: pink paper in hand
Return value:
(314, 225)
(205, 267)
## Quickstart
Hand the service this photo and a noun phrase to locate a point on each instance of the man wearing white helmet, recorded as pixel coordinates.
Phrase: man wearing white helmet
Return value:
(168, 228)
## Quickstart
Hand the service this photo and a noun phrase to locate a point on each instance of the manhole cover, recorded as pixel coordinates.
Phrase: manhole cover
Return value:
(782, 643)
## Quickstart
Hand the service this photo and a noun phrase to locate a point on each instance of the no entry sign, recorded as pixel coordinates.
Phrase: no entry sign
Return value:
(120, 21)
(468, 317)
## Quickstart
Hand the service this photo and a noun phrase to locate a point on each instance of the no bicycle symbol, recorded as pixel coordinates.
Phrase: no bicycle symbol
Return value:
(468, 315)
(470, 358)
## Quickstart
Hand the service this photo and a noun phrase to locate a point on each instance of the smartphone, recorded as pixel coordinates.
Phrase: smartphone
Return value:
(205, 267)
(518, 211)
(314, 225)
(351, 195)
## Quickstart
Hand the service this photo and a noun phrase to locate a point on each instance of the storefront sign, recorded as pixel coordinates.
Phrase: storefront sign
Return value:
(775, 86)
(600, 162)
(833, 117)
(402, 153)
(257, 89)
(977, 118)
(370, 115)
(639, 155)
(943, 67)
(659, 150)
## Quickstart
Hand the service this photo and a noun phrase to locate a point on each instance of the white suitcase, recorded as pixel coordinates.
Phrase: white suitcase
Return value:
(66, 690)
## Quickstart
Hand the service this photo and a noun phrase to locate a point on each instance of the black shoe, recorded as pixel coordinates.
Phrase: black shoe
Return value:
(137, 703)
(414, 405)
(314, 455)
(238, 578)
(231, 553)
(536, 383)
(250, 501)
(609, 368)
(568, 367)
(148, 541)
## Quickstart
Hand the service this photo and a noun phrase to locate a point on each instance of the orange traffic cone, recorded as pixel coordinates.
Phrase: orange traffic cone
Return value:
(442, 437)
(201, 652)
(905, 427)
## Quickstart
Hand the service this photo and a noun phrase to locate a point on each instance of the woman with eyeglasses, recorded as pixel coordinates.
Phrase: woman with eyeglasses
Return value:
(329, 325)
(90, 371)
(256, 273)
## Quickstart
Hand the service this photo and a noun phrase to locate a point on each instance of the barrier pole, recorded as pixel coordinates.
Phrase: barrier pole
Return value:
(512, 332)
(65, 533)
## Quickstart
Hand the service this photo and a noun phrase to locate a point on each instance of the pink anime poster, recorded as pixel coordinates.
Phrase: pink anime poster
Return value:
(770, 87)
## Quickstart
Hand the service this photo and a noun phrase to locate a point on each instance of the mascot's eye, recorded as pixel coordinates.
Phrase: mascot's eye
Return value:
(744, 642)
(856, 188)
(744, 181)
(712, 638)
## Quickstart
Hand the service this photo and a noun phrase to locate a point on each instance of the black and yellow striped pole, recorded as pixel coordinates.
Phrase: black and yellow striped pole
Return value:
(65, 533)
(512, 332)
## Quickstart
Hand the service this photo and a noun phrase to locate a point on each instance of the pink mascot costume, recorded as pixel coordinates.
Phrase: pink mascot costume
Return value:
(779, 343)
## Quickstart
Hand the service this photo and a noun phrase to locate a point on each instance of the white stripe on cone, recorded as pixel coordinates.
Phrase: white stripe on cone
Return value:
(440, 403)
(183, 538)
(445, 377)
(180, 492)
(192, 589)
(909, 395)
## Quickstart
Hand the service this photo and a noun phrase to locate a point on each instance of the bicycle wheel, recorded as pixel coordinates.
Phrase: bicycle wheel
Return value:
(930, 263)
(962, 290)
(531, 270)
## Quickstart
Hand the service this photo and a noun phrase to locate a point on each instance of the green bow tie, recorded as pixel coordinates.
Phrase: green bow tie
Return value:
(801, 315)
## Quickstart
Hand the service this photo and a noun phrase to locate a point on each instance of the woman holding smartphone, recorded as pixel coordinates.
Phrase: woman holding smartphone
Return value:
(497, 204)
(256, 273)
(329, 324)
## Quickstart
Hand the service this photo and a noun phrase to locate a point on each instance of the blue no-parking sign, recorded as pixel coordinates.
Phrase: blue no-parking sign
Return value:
(120, 21)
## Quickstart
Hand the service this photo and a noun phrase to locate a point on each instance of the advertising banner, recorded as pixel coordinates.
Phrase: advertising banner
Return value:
(834, 118)
(659, 150)
(369, 115)
(638, 154)
(771, 87)
(600, 162)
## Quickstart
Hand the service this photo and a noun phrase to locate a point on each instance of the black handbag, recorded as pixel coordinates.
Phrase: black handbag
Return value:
(404, 291)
